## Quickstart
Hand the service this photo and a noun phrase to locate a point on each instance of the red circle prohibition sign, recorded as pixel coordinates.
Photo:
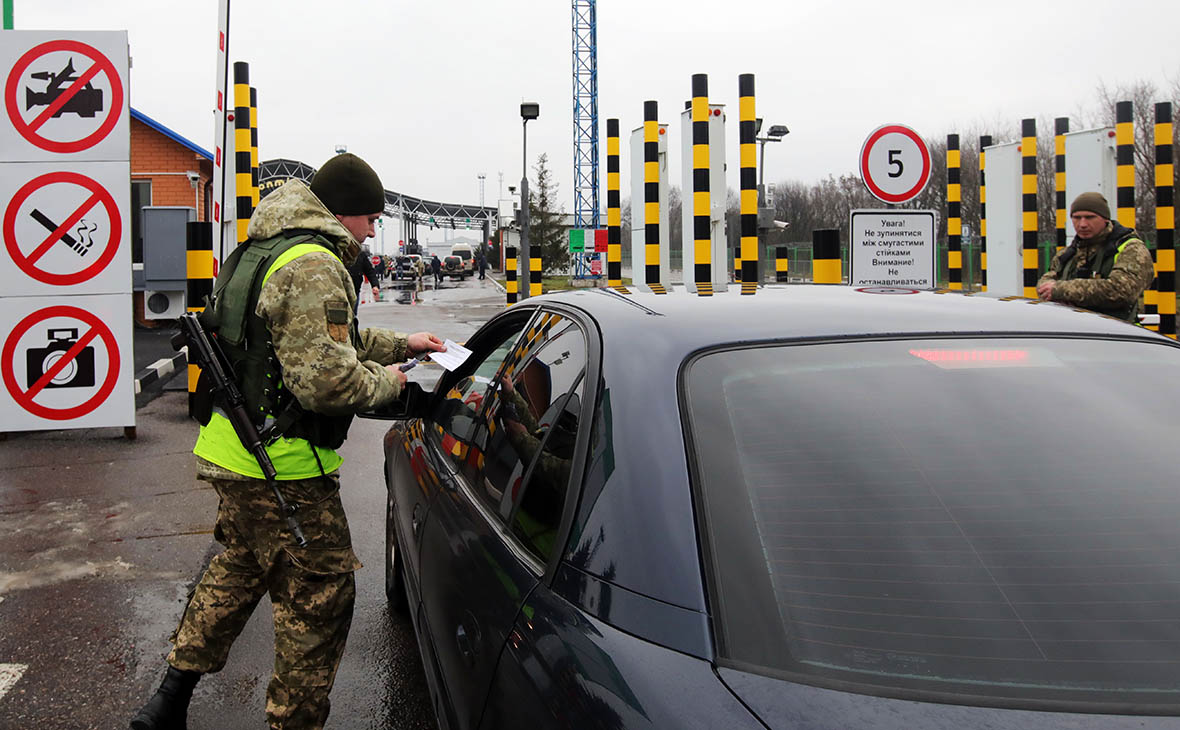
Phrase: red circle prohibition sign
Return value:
(29, 130)
(868, 178)
(24, 398)
(28, 264)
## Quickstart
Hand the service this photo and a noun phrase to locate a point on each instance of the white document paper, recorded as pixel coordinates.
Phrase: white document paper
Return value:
(455, 355)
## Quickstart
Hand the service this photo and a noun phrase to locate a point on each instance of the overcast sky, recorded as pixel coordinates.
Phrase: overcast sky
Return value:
(429, 92)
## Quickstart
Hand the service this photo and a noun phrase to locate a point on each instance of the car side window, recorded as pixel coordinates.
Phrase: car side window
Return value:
(455, 417)
(531, 427)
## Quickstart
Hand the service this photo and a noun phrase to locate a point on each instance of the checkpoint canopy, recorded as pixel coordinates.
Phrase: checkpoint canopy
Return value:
(64, 230)
(893, 248)
(66, 364)
(65, 96)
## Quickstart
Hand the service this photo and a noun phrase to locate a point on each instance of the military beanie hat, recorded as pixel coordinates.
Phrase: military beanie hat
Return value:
(346, 185)
(1092, 202)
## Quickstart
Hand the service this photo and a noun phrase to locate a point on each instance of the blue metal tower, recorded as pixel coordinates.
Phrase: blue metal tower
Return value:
(585, 116)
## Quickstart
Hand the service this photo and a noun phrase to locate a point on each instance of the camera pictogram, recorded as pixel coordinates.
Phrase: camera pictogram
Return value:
(77, 373)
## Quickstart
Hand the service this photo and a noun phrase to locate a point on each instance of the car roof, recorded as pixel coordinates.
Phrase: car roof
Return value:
(808, 311)
(635, 527)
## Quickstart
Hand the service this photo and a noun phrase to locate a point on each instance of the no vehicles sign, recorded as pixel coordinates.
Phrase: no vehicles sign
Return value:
(63, 231)
(62, 364)
(893, 248)
(64, 96)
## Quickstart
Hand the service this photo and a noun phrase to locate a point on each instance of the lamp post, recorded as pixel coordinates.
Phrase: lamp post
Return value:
(528, 110)
(776, 134)
(765, 216)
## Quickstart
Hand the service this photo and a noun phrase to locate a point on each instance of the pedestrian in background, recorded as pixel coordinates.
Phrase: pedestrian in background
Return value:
(436, 269)
(360, 270)
(282, 311)
(1105, 268)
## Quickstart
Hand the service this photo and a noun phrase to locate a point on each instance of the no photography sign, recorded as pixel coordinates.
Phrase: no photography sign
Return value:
(63, 364)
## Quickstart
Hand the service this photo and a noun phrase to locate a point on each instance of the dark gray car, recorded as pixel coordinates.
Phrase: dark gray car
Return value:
(813, 507)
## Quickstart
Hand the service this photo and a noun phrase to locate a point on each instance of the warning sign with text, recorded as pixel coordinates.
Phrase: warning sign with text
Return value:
(893, 248)
(64, 94)
(66, 364)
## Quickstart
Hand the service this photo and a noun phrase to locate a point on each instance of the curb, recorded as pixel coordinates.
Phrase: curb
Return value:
(161, 370)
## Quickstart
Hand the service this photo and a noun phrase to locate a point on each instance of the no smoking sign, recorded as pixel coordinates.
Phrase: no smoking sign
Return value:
(65, 96)
(63, 363)
(65, 229)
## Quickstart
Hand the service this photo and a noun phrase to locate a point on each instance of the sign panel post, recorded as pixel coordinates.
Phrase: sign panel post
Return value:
(893, 248)
(65, 257)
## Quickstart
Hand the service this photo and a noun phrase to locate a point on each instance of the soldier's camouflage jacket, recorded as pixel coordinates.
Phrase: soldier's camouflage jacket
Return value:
(1119, 292)
(308, 304)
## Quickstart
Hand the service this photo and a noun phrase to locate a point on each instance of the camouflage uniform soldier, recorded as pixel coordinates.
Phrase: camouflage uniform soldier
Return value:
(1105, 269)
(283, 313)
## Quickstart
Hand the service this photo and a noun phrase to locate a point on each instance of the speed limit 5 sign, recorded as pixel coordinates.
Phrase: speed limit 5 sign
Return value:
(895, 163)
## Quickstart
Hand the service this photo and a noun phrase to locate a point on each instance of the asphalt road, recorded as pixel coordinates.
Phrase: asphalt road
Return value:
(101, 537)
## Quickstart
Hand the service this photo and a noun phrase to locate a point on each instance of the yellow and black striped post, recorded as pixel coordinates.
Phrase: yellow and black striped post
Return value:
(1060, 127)
(614, 209)
(1029, 218)
(510, 266)
(199, 284)
(825, 256)
(254, 192)
(651, 197)
(243, 177)
(954, 215)
(745, 262)
(1165, 219)
(702, 238)
(781, 262)
(534, 269)
(1124, 141)
(985, 141)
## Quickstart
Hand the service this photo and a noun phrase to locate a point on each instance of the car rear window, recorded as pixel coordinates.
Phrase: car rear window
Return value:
(988, 518)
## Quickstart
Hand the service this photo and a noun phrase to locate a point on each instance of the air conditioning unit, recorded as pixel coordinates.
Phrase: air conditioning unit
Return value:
(163, 304)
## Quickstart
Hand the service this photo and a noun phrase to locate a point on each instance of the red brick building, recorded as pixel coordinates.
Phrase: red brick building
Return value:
(166, 169)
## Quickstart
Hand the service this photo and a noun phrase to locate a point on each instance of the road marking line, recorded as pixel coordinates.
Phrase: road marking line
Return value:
(10, 674)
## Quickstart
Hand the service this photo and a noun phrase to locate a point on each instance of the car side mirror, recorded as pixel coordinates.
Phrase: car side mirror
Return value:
(411, 404)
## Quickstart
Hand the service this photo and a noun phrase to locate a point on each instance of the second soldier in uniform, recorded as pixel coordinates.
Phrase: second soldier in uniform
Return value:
(1105, 269)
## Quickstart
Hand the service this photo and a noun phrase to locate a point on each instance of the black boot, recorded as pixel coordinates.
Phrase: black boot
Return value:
(168, 708)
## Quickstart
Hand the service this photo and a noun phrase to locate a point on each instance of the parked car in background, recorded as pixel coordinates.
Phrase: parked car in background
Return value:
(466, 257)
(409, 263)
(814, 507)
(453, 267)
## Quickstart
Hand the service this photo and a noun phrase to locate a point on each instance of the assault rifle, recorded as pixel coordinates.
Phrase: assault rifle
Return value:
(205, 353)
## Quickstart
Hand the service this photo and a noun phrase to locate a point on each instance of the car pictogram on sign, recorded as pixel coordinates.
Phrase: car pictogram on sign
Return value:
(62, 228)
(64, 96)
(60, 363)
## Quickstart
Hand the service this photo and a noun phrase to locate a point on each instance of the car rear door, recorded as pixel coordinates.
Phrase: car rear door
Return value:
(497, 517)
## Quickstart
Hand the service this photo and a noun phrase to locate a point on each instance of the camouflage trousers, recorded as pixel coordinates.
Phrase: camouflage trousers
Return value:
(311, 589)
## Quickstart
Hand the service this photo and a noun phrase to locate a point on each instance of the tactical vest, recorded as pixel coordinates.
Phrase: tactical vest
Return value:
(246, 341)
(1100, 266)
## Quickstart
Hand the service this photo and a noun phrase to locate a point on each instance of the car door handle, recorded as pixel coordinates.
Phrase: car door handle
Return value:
(416, 519)
(464, 643)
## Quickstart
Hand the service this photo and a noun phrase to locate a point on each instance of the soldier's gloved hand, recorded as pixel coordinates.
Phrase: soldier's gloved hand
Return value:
(421, 342)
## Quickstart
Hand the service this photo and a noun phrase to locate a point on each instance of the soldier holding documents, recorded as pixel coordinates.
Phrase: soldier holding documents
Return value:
(283, 313)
